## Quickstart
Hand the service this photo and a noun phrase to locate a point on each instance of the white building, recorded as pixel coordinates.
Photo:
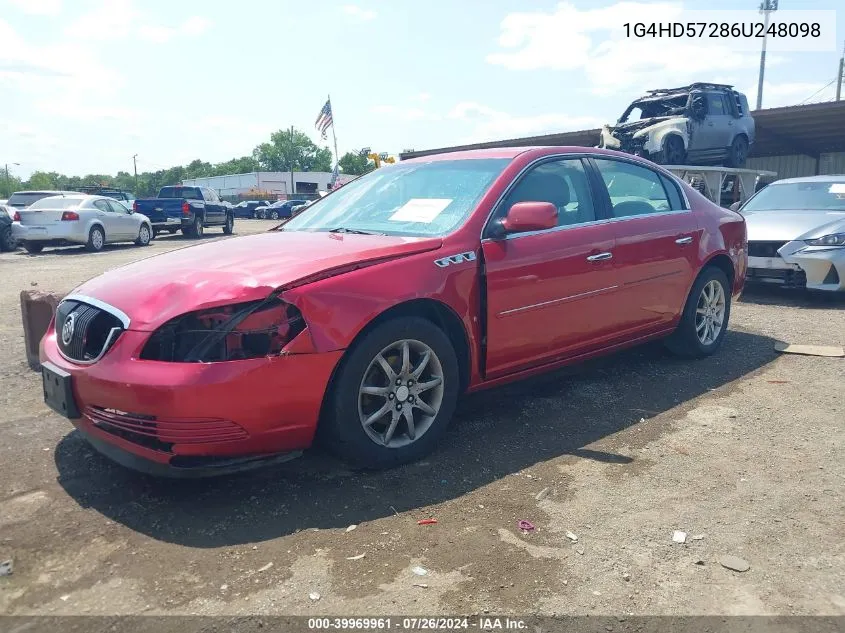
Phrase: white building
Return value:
(264, 183)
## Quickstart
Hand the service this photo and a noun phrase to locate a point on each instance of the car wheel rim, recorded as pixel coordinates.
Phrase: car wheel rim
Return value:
(401, 393)
(97, 240)
(710, 312)
(145, 235)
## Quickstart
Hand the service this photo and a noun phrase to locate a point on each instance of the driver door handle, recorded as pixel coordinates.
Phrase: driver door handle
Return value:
(600, 257)
(683, 240)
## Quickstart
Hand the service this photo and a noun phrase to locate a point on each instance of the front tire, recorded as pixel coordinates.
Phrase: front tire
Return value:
(704, 321)
(7, 240)
(144, 236)
(274, 215)
(393, 396)
(673, 152)
(96, 239)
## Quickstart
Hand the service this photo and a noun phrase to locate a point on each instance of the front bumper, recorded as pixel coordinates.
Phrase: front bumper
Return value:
(58, 233)
(801, 266)
(195, 419)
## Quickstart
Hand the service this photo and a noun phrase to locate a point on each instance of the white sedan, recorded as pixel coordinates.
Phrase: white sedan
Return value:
(79, 219)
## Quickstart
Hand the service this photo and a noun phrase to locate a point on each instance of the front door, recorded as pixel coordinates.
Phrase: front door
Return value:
(656, 244)
(550, 293)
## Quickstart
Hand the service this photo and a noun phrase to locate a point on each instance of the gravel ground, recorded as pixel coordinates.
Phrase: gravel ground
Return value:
(742, 452)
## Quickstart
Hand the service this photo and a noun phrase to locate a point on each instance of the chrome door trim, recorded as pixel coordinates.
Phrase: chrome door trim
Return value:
(554, 301)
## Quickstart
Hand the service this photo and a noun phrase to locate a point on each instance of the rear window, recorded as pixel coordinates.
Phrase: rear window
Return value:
(24, 198)
(186, 193)
(56, 203)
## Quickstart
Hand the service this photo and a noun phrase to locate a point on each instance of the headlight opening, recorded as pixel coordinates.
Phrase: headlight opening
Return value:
(233, 332)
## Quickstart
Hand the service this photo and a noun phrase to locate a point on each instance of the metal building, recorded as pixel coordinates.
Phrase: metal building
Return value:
(264, 183)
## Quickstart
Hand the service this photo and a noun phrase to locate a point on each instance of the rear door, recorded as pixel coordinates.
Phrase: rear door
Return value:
(550, 293)
(115, 229)
(128, 224)
(719, 124)
(657, 239)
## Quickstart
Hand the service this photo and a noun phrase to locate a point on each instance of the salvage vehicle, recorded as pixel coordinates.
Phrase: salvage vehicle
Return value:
(7, 240)
(796, 233)
(189, 209)
(79, 219)
(277, 210)
(702, 123)
(361, 320)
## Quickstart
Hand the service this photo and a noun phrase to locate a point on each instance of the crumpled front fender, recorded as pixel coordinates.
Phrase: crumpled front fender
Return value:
(659, 131)
(823, 266)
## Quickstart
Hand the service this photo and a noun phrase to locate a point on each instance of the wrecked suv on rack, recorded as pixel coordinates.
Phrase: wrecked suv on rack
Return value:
(701, 123)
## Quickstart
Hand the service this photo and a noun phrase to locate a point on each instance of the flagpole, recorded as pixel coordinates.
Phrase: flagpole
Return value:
(334, 136)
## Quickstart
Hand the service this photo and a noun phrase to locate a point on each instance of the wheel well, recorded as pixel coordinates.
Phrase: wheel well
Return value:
(440, 315)
(723, 263)
(741, 134)
(675, 134)
(96, 225)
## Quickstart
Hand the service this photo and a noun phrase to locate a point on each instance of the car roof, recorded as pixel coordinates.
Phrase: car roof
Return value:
(82, 197)
(513, 152)
(48, 191)
(823, 178)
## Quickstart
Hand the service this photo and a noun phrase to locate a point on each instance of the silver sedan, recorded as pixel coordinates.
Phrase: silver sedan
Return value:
(796, 233)
(79, 219)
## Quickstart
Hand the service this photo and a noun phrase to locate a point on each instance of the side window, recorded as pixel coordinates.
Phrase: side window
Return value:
(633, 190)
(102, 205)
(676, 201)
(715, 104)
(212, 196)
(116, 207)
(563, 183)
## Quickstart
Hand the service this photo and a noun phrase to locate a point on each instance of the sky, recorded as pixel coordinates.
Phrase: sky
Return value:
(87, 84)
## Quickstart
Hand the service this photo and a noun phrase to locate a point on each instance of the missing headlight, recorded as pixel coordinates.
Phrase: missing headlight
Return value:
(234, 332)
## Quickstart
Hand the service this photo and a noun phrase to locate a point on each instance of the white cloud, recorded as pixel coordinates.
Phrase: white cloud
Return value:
(191, 27)
(109, 20)
(421, 97)
(591, 40)
(39, 7)
(487, 123)
(787, 94)
(360, 13)
(405, 114)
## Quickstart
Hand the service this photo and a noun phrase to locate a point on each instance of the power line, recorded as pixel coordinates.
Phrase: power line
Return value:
(830, 83)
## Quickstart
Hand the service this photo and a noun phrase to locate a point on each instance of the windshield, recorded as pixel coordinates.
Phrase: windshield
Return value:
(795, 196)
(186, 193)
(649, 108)
(414, 199)
(56, 202)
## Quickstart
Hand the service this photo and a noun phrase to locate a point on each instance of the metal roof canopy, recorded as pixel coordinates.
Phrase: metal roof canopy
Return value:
(805, 129)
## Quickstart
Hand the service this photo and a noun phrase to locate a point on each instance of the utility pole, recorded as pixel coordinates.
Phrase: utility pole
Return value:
(292, 185)
(135, 166)
(766, 7)
(841, 73)
(9, 180)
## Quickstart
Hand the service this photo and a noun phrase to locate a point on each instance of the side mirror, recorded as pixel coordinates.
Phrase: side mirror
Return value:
(735, 206)
(523, 217)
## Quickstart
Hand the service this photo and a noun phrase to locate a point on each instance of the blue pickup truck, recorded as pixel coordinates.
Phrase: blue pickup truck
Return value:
(189, 209)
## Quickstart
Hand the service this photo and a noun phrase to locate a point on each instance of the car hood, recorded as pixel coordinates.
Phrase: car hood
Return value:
(787, 225)
(154, 290)
(638, 125)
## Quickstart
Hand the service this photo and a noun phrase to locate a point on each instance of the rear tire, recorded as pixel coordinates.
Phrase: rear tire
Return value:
(196, 230)
(229, 226)
(96, 239)
(33, 247)
(708, 307)
(343, 429)
(274, 215)
(172, 231)
(738, 152)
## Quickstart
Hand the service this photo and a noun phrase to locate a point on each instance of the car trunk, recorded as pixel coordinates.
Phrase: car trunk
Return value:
(41, 217)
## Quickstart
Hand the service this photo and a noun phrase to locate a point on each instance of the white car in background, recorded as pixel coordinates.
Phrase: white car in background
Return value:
(66, 220)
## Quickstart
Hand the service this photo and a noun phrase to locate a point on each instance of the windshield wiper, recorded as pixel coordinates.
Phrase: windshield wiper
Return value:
(343, 229)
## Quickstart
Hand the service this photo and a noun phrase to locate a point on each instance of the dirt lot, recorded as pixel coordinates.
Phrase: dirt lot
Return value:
(743, 449)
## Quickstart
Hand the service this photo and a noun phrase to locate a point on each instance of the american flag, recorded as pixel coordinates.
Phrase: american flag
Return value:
(324, 120)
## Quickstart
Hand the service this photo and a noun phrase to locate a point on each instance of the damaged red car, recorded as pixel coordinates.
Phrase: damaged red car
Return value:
(362, 320)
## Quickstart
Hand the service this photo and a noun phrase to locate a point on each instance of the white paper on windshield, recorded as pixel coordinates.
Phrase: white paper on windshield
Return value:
(420, 210)
(837, 187)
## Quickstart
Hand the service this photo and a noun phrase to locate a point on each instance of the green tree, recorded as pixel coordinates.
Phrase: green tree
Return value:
(39, 180)
(10, 186)
(356, 164)
(242, 165)
(292, 150)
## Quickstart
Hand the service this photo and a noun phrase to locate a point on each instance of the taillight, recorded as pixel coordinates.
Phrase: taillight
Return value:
(135, 207)
(70, 216)
(186, 208)
(16, 217)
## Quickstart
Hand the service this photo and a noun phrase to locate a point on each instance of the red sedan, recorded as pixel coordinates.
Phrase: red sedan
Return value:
(364, 318)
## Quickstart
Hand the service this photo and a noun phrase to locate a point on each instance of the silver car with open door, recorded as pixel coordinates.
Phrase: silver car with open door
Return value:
(93, 221)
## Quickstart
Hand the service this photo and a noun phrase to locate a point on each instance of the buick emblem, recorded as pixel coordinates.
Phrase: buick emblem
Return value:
(67, 328)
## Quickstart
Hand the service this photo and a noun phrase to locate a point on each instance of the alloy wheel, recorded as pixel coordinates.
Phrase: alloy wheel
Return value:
(710, 312)
(401, 393)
